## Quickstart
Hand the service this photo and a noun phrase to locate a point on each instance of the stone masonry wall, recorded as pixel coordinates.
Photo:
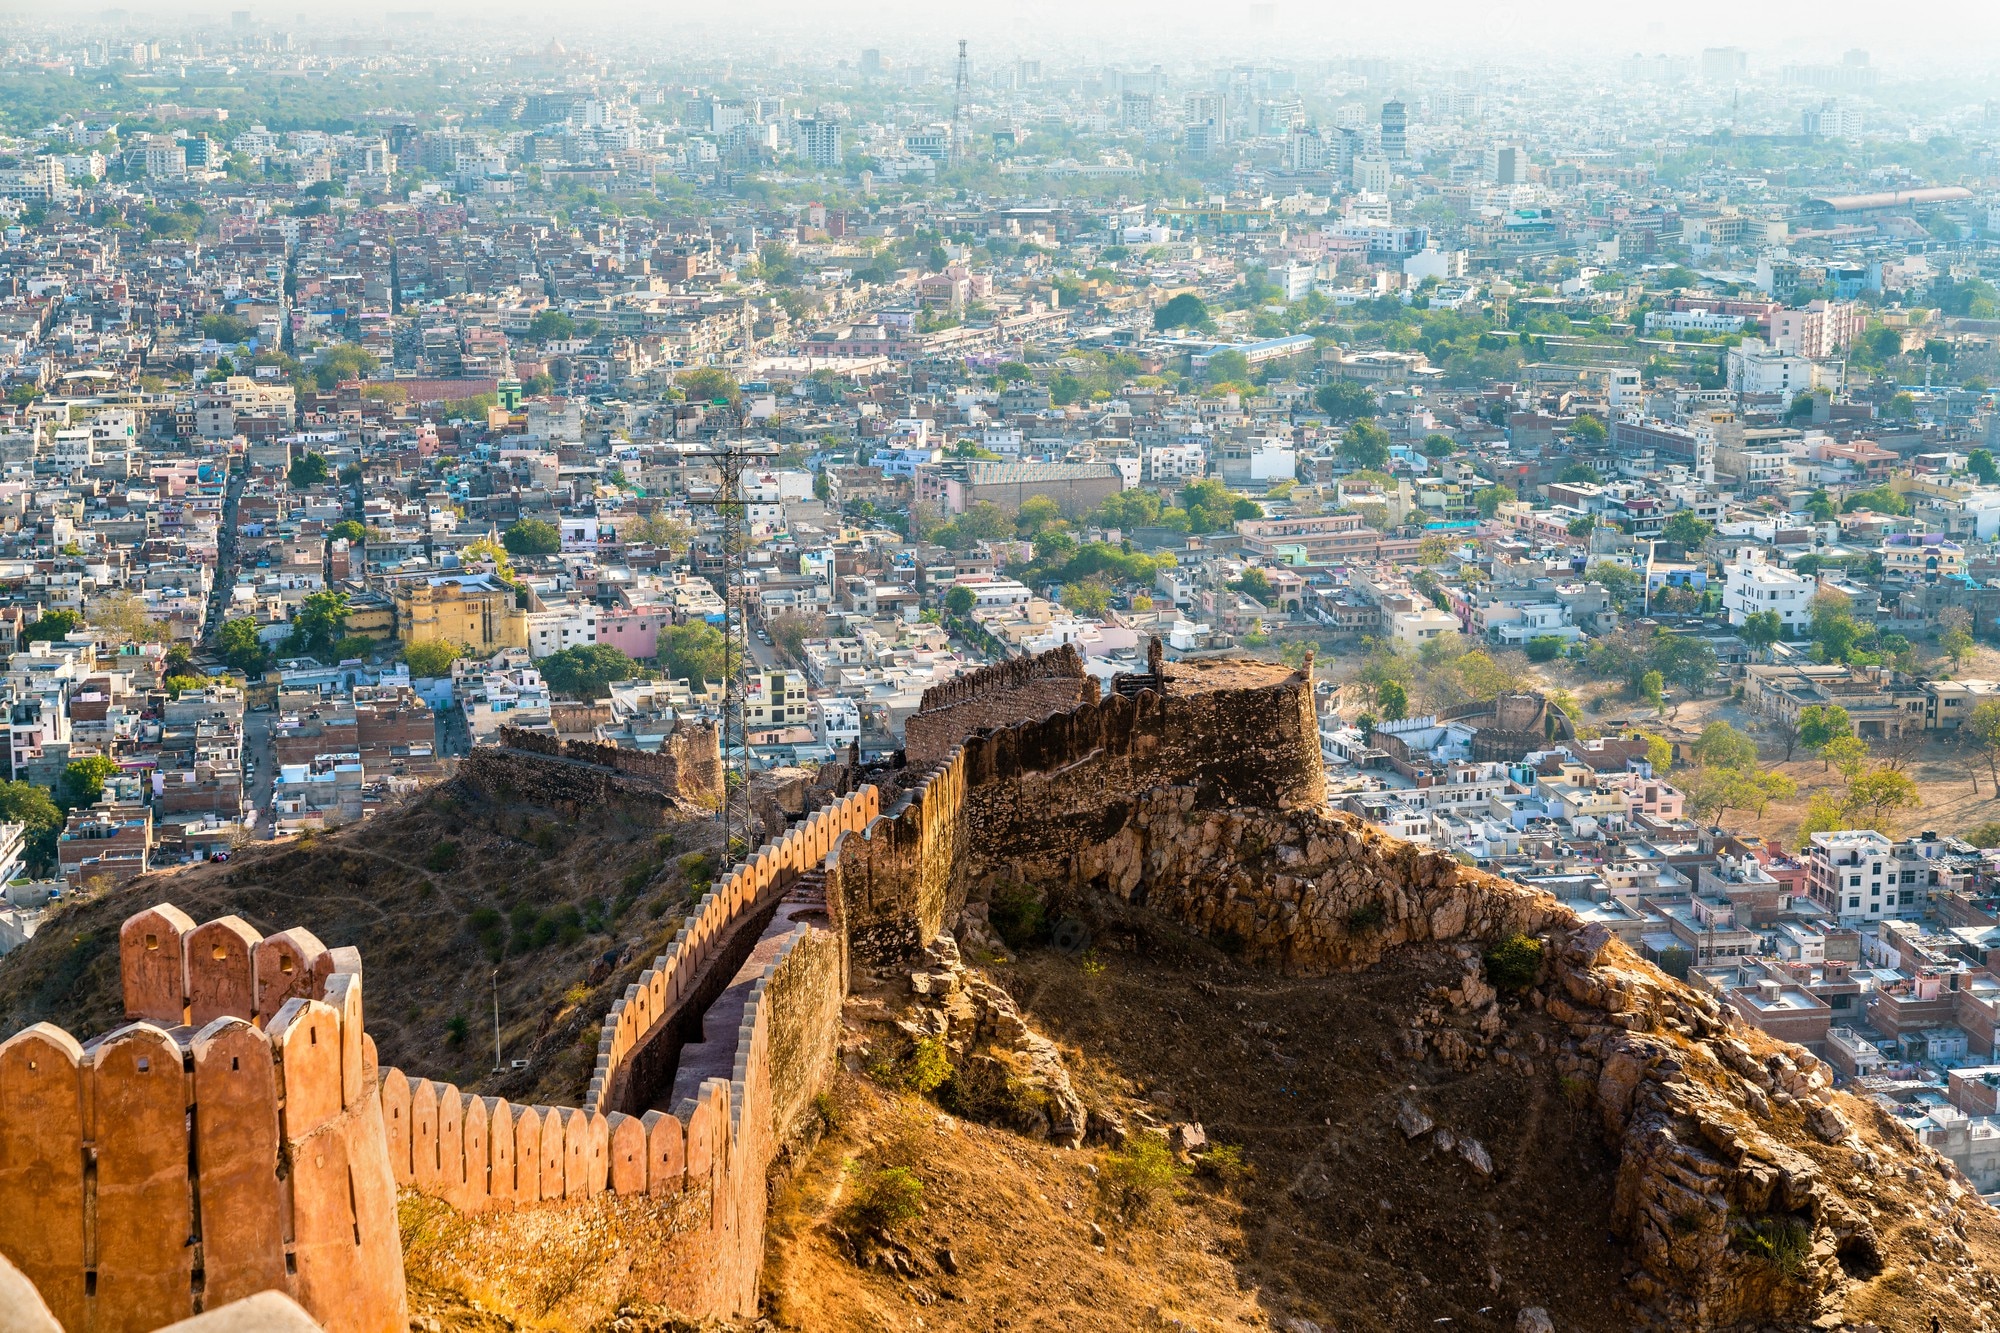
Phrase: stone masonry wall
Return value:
(1036, 796)
(1022, 689)
(236, 1119)
(688, 765)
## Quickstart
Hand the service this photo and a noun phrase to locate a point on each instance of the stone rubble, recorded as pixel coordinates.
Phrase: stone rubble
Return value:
(975, 1017)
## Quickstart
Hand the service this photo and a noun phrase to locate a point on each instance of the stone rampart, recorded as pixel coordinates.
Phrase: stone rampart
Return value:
(1019, 690)
(668, 988)
(227, 1142)
(688, 765)
(1031, 799)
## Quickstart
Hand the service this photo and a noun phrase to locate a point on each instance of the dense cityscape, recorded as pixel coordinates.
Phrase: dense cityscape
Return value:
(1613, 444)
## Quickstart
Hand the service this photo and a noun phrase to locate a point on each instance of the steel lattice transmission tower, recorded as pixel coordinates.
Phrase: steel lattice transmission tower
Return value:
(737, 811)
(961, 129)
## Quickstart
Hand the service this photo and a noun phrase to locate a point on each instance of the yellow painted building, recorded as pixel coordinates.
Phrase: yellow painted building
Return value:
(371, 615)
(472, 609)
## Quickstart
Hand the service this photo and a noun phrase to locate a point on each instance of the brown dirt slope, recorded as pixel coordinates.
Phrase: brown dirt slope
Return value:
(1342, 1220)
(437, 894)
(1346, 1220)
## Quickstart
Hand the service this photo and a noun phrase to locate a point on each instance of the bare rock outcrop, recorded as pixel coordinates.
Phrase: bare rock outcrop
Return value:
(1746, 1190)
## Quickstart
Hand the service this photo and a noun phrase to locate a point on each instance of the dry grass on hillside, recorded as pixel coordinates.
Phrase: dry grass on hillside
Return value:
(1339, 1220)
(438, 894)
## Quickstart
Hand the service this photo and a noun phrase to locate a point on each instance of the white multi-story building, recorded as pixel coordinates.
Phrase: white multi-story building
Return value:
(837, 721)
(1821, 330)
(1750, 586)
(817, 139)
(773, 698)
(1757, 368)
(1853, 874)
(1692, 321)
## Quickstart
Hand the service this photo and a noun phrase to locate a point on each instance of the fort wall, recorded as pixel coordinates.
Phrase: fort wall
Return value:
(169, 1168)
(1031, 799)
(707, 1065)
(1020, 689)
(688, 765)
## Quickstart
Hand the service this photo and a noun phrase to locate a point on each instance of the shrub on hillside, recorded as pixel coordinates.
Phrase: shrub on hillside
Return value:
(1513, 964)
(882, 1199)
(1016, 912)
(1142, 1178)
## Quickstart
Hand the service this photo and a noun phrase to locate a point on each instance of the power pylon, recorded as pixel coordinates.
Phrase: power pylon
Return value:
(961, 129)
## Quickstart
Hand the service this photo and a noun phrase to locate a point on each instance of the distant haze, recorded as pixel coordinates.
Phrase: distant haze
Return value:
(1952, 36)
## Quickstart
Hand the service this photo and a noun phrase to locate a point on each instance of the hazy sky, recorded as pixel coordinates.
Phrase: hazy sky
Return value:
(1952, 34)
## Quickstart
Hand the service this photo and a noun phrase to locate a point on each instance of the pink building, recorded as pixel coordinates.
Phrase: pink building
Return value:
(1649, 796)
(635, 633)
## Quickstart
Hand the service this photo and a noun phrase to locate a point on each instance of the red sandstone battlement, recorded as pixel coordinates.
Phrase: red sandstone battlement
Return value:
(228, 1142)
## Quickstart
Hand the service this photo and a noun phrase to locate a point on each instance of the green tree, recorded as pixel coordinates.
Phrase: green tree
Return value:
(1847, 754)
(82, 781)
(705, 384)
(531, 536)
(1437, 446)
(1393, 700)
(1211, 506)
(347, 530)
(1723, 746)
(1761, 629)
(1490, 498)
(1344, 400)
(348, 361)
(1652, 688)
(1583, 527)
(26, 804)
(52, 625)
(1036, 512)
(1682, 661)
(1956, 643)
(694, 651)
(1227, 367)
(1981, 465)
(1621, 582)
(1658, 752)
(1834, 628)
(960, 601)
(1088, 597)
(1588, 429)
(431, 658)
(1686, 529)
(1873, 798)
(1543, 648)
(551, 325)
(308, 470)
(1983, 727)
(1255, 583)
(241, 647)
(1365, 444)
(585, 673)
(1185, 311)
(1821, 723)
(320, 623)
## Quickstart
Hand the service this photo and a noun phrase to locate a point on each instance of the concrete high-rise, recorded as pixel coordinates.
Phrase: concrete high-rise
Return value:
(1395, 131)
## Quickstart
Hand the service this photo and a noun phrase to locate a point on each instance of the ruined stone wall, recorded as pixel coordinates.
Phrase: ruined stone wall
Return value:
(1717, 1127)
(1031, 799)
(236, 1119)
(1019, 690)
(688, 765)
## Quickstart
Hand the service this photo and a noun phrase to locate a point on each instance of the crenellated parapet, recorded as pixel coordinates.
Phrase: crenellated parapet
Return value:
(226, 1142)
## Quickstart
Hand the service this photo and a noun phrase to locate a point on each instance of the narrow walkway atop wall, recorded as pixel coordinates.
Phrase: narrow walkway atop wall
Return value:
(713, 1055)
